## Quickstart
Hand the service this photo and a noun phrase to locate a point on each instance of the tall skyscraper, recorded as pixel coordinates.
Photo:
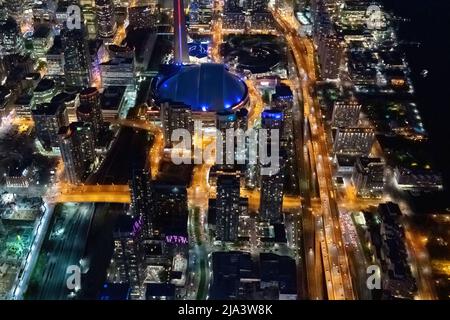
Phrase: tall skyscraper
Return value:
(76, 57)
(271, 199)
(90, 110)
(161, 206)
(233, 6)
(330, 52)
(181, 50)
(77, 150)
(368, 177)
(345, 114)
(354, 141)
(242, 119)
(106, 19)
(140, 195)
(16, 8)
(71, 101)
(272, 121)
(227, 207)
(397, 276)
(11, 41)
(175, 115)
(168, 214)
(89, 15)
(48, 118)
(242, 151)
(283, 100)
(142, 17)
(225, 120)
(55, 59)
(126, 262)
(259, 5)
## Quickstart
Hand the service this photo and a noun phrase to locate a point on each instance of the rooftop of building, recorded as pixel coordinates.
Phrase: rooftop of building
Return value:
(114, 291)
(42, 31)
(160, 290)
(63, 97)
(44, 85)
(88, 91)
(283, 91)
(112, 97)
(73, 127)
(46, 109)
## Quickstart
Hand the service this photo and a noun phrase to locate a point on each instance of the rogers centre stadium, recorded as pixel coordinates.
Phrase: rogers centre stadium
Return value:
(207, 88)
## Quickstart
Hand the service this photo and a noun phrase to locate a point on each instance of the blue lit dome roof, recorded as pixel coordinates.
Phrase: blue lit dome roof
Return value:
(204, 87)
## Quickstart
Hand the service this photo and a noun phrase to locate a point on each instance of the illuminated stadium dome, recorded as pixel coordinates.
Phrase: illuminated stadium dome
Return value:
(207, 87)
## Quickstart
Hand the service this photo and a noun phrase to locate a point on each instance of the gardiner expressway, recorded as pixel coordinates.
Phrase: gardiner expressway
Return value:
(326, 237)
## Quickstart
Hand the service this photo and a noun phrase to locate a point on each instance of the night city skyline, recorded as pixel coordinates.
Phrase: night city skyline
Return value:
(223, 150)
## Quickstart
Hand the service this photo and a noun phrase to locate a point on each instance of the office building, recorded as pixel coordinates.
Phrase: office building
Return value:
(77, 151)
(142, 17)
(160, 291)
(55, 59)
(90, 110)
(16, 8)
(114, 291)
(44, 91)
(200, 12)
(354, 141)
(175, 115)
(418, 178)
(368, 177)
(11, 41)
(227, 208)
(225, 121)
(259, 5)
(71, 102)
(112, 100)
(48, 118)
(231, 272)
(233, 14)
(280, 274)
(271, 199)
(90, 20)
(76, 57)
(140, 195)
(283, 100)
(125, 265)
(331, 52)
(272, 125)
(42, 40)
(118, 72)
(162, 206)
(345, 114)
(397, 277)
(236, 275)
(233, 6)
(272, 119)
(106, 19)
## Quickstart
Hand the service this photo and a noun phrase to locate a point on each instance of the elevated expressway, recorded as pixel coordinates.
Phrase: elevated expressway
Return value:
(321, 217)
